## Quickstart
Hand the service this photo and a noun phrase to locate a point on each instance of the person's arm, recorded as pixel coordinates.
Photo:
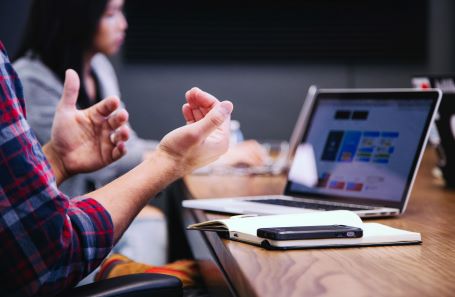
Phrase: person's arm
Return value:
(74, 147)
(49, 242)
(201, 141)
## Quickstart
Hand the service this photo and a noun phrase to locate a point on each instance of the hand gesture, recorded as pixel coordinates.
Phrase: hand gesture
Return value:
(206, 135)
(89, 139)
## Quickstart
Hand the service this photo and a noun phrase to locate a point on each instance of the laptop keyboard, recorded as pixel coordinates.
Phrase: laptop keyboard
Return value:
(308, 205)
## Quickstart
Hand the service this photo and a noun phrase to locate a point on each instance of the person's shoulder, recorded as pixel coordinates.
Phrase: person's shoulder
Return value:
(106, 75)
(101, 62)
(30, 66)
(38, 81)
(33, 69)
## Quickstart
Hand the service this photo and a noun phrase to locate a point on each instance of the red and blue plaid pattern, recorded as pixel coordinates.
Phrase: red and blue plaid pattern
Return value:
(47, 241)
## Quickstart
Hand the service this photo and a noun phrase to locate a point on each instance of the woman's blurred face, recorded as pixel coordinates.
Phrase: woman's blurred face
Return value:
(111, 29)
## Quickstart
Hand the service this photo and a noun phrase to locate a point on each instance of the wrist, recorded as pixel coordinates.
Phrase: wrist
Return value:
(171, 167)
(56, 163)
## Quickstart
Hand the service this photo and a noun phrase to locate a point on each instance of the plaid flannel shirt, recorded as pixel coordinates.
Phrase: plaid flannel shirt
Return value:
(47, 241)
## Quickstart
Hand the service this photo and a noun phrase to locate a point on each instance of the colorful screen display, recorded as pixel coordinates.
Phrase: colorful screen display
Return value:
(364, 148)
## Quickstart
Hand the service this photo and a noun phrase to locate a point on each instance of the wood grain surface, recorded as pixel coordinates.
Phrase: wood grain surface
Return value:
(415, 270)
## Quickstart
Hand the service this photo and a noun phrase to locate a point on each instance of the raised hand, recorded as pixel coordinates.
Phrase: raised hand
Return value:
(206, 135)
(247, 153)
(85, 140)
(202, 140)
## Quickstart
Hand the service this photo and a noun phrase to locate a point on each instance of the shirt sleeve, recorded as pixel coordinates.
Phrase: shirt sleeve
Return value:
(49, 242)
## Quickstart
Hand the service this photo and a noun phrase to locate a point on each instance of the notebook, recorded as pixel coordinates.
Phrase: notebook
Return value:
(244, 229)
(365, 146)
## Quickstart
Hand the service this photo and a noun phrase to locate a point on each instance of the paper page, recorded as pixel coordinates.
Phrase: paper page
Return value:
(214, 225)
(374, 232)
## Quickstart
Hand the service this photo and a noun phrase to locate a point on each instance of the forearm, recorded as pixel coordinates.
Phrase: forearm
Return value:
(126, 196)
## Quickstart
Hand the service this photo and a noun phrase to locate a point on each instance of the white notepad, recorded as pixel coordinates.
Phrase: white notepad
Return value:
(244, 229)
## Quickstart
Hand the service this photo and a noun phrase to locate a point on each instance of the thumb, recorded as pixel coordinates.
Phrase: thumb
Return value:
(70, 89)
(215, 118)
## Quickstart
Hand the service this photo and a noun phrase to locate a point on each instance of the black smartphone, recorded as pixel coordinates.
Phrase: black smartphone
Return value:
(310, 232)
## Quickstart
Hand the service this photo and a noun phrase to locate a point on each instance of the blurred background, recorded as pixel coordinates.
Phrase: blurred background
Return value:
(263, 55)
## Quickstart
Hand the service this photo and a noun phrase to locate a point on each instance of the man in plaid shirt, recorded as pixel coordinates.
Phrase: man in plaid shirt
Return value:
(48, 241)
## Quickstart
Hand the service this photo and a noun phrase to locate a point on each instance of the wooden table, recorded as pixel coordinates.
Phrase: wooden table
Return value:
(236, 269)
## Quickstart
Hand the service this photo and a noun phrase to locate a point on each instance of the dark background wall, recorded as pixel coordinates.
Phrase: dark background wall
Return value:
(267, 93)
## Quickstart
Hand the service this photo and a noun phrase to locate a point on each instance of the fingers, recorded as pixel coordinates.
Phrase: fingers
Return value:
(122, 134)
(118, 139)
(200, 99)
(106, 106)
(215, 118)
(188, 114)
(118, 119)
(198, 114)
(70, 89)
(199, 104)
(119, 151)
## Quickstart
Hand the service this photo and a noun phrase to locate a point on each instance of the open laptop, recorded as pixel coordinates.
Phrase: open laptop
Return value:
(367, 147)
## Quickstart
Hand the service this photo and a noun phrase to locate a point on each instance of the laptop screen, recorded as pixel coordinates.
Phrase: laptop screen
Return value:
(366, 146)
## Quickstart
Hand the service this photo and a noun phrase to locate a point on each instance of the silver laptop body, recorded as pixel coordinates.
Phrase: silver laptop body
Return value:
(356, 149)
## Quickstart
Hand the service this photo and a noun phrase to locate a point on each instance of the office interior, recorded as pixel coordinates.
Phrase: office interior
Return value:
(263, 55)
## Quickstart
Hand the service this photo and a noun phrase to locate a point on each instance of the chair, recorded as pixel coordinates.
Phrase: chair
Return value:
(134, 285)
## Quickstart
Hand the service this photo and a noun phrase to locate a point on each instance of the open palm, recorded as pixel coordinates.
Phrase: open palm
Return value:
(206, 135)
(89, 139)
